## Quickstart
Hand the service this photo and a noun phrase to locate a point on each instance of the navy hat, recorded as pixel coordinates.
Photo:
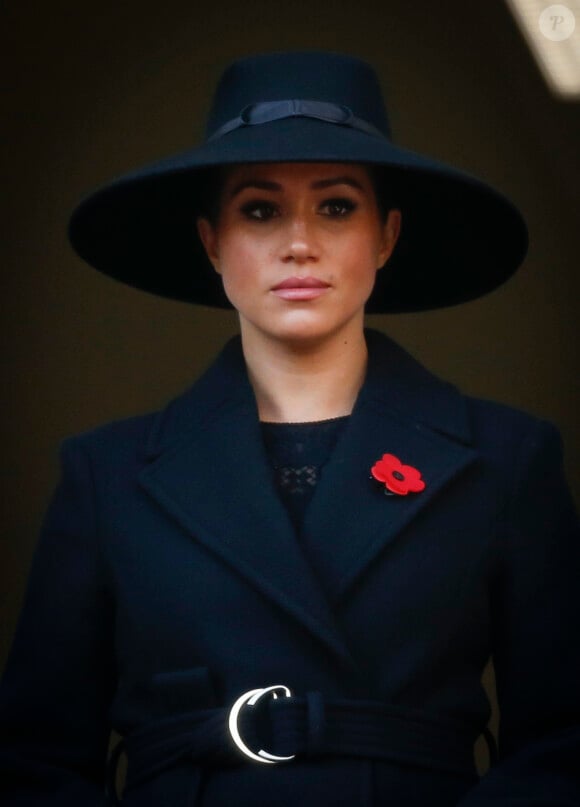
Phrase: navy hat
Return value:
(460, 238)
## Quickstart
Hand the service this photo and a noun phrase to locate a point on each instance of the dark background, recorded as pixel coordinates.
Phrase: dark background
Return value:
(96, 89)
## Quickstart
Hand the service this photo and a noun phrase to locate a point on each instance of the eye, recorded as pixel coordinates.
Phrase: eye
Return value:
(259, 210)
(338, 208)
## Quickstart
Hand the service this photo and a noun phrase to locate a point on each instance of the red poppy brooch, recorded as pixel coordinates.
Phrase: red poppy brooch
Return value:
(396, 477)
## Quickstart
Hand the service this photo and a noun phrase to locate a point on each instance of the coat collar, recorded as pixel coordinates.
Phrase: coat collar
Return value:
(400, 384)
(209, 471)
(394, 380)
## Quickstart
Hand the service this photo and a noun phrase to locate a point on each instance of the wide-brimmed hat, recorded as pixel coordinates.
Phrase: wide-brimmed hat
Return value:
(460, 238)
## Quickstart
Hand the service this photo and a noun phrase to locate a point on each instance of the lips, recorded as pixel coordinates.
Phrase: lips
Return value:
(300, 289)
(301, 283)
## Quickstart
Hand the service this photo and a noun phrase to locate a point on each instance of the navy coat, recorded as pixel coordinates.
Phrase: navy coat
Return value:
(168, 581)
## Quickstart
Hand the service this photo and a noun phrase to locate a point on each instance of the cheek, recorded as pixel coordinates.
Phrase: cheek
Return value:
(237, 255)
(241, 263)
(361, 257)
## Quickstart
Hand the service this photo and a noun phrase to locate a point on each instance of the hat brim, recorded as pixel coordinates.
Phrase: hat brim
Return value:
(460, 237)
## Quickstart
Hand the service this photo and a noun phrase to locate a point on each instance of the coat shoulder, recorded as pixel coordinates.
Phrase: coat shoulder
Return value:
(502, 427)
(403, 384)
(119, 438)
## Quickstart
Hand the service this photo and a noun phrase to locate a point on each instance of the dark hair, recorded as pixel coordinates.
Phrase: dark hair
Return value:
(211, 183)
(213, 179)
(385, 187)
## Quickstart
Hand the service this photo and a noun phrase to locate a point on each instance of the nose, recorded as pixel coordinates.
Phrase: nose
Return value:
(300, 244)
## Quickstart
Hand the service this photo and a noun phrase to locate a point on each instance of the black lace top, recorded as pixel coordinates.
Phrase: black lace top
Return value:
(298, 453)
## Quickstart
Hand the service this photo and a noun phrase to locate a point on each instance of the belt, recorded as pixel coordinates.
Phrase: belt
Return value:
(296, 727)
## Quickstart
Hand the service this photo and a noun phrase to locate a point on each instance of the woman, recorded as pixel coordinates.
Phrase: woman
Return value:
(283, 588)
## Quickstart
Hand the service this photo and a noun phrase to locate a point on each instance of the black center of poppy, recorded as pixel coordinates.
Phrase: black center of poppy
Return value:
(398, 475)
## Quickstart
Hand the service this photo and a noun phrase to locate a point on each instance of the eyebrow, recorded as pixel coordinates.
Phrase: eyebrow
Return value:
(267, 185)
(343, 180)
(260, 184)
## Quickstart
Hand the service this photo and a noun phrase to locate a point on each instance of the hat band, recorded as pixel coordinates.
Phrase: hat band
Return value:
(268, 111)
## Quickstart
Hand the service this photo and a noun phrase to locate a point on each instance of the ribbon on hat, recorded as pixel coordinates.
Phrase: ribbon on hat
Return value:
(267, 111)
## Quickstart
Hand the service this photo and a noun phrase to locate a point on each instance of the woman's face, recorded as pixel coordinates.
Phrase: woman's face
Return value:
(297, 246)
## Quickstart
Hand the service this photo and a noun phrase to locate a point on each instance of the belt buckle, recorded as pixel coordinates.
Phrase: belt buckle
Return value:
(251, 698)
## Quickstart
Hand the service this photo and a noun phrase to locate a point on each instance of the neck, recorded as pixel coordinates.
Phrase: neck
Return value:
(296, 383)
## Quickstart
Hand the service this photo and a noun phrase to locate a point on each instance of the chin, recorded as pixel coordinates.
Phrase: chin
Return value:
(308, 330)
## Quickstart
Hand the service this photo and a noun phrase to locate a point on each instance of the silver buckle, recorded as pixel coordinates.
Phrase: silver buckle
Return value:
(251, 698)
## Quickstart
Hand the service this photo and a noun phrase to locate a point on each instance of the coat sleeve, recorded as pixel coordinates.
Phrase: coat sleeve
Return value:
(58, 681)
(536, 616)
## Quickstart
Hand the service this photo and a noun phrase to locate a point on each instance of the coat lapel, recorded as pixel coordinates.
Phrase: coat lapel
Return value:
(402, 410)
(210, 473)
